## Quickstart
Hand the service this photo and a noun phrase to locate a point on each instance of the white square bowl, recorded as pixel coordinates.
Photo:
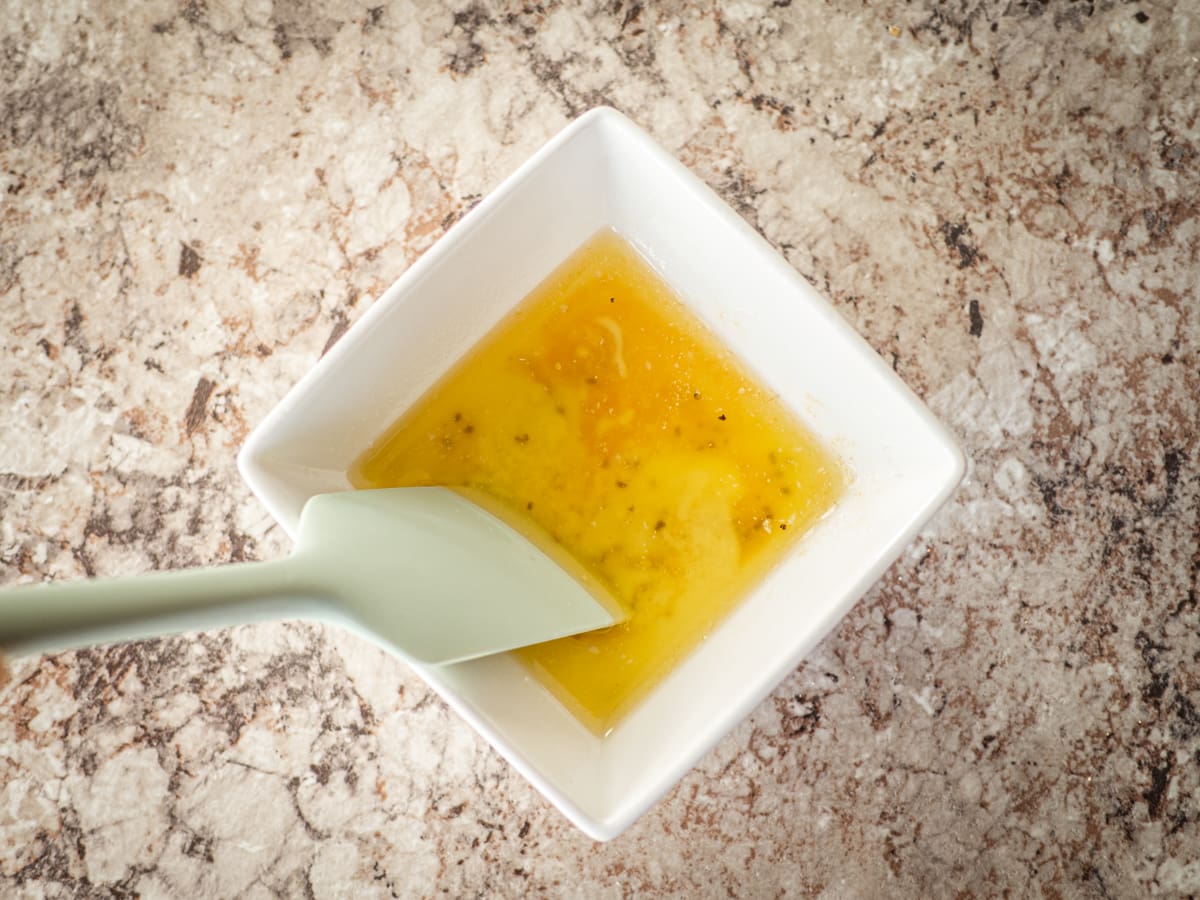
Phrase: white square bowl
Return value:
(602, 171)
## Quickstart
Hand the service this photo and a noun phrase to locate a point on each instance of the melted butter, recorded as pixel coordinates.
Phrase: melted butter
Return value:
(604, 412)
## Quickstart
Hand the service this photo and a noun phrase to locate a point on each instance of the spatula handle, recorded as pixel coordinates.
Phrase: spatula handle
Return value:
(63, 615)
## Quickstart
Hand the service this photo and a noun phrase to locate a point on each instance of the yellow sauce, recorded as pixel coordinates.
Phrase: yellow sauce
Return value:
(602, 410)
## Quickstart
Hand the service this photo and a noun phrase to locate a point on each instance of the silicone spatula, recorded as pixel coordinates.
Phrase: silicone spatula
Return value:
(424, 572)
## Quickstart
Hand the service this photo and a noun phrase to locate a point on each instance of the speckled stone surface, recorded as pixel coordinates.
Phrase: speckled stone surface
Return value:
(199, 197)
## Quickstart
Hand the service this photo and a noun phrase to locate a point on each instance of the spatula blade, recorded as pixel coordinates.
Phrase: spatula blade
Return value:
(439, 579)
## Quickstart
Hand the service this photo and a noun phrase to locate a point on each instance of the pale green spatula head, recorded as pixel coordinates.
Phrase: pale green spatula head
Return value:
(438, 578)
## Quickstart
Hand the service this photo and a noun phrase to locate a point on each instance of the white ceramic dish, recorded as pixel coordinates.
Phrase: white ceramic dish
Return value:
(603, 171)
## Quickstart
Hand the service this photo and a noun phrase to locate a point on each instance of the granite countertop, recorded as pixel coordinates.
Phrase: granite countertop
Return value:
(199, 196)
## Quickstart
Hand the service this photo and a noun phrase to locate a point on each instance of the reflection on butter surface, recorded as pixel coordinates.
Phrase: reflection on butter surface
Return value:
(605, 412)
